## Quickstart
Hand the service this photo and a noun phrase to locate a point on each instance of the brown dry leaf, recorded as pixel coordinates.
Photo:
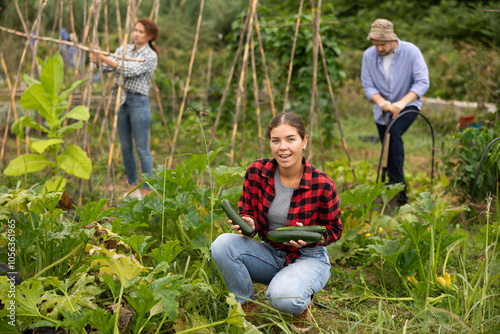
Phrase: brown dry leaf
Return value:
(66, 201)
(124, 317)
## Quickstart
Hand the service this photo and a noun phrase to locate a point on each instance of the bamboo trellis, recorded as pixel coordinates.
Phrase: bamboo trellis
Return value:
(244, 55)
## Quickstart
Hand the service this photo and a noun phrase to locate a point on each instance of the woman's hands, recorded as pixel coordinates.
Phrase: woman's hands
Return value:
(298, 243)
(249, 220)
(94, 57)
(100, 58)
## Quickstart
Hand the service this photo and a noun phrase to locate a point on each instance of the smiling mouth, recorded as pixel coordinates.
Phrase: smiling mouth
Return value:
(284, 156)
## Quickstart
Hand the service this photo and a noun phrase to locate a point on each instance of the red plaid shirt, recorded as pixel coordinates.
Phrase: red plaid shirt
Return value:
(314, 202)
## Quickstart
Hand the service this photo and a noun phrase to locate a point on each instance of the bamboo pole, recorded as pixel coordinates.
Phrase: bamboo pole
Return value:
(318, 118)
(334, 104)
(117, 105)
(209, 74)
(240, 90)
(264, 64)
(256, 98)
(35, 65)
(105, 87)
(57, 19)
(183, 103)
(13, 97)
(290, 66)
(119, 22)
(60, 41)
(174, 95)
(105, 119)
(316, 19)
(162, 113)
(95, 42)
(12, 106)
(229, 79)
(243, 116)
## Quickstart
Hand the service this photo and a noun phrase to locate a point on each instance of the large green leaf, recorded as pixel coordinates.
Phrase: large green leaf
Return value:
(64, 95)
(18, 127)
(72, 127)
(75, 161)
(53, 75)
(28, 297)
(27, 163)
(30, 81)
(79, 113)
(35, 98)
(75, 295)
(39, 146)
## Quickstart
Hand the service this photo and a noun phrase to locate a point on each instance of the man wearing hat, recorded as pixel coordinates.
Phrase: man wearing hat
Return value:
(395, 77)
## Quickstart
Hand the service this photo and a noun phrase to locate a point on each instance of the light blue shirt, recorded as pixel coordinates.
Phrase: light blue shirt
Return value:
(408, 72)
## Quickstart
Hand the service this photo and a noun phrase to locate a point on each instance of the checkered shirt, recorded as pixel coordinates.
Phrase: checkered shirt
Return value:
(136, 75)
(314, 202)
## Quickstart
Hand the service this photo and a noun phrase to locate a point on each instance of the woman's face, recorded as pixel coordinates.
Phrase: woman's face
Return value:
(287, 145)
(140, 36)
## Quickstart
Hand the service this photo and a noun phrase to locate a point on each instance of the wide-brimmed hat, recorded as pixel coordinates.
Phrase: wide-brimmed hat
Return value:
(382, 30)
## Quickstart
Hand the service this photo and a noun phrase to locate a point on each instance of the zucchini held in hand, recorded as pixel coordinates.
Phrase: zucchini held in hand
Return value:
(245, 228)
(286, 235)
(310, 228)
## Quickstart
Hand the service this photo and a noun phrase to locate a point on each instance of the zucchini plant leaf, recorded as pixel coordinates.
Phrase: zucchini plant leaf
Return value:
(127, 269)
(103, 321)
(70, 296)
(29, 296)
(168, 290)
(167, 252)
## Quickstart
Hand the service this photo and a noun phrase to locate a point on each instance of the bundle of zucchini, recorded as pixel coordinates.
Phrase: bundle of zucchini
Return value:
(310, 233)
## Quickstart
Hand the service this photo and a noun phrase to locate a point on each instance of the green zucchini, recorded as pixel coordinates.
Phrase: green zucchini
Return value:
(245, 228)
(287, 235)
(310, 228)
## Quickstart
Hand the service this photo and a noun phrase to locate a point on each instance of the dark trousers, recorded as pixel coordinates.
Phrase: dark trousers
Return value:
(396, 158)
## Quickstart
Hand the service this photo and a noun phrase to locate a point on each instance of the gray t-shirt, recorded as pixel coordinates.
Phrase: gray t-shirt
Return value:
(278, 211)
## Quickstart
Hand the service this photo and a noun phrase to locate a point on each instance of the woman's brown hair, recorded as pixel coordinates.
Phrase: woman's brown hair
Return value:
(288, 118)
(152, 30)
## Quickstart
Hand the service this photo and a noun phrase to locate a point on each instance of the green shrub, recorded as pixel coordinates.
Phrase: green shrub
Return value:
(463, 151)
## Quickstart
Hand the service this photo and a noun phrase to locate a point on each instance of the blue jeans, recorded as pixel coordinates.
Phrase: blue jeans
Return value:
(242, 260)
(396, 158)
(134, 119)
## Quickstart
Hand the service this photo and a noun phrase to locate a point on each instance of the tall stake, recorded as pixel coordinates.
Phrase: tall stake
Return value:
(209, 74)
(191, 62)
(119, 22)
(12, 107)
(95, 42)
(34, 65)
(229, 78)
(336, 110)
(256, 98)
(316, 18)
(318, 118)
(13, 99)
(264, 64)
(240, 90)
(290, 66)
(117, 105)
